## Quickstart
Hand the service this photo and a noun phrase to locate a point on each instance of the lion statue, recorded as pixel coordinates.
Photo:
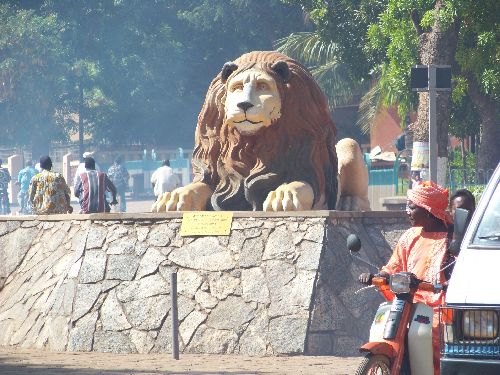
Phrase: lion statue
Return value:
(264, 140)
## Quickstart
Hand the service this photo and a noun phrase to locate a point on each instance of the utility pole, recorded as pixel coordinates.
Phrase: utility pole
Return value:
(433, 141)
(80, 119)
(432, 78)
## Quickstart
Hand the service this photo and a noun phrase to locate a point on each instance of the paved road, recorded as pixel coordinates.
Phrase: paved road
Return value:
(22, 361)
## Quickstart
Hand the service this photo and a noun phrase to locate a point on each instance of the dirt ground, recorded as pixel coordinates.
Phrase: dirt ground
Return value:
(23, 361)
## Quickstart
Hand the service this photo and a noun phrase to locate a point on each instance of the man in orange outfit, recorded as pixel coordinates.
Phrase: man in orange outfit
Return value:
(422, 249)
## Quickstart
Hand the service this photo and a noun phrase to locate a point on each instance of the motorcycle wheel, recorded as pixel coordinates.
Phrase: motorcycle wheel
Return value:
(374, 365)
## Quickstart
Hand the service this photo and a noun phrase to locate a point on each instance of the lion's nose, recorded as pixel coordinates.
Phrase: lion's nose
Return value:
(244, 105)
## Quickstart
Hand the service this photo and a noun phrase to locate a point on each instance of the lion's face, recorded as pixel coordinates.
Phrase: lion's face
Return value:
(252, 101)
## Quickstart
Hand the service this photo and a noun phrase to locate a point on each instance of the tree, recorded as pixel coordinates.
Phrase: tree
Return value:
(321, 58)
(33, 78)
(137, 71)
(477, 57)
(384, 39)
(443, 32)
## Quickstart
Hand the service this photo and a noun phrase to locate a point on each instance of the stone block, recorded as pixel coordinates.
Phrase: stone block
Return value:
(113, 342)
(212, 341)
(147, 287)
(160, 235)
(124, 245)
(147, 313)
(203, 254)
(150, 262)
(190, 325)
(231, 313)
(86, 296)
(96, 237)
(287, 334)
(113, 317)
(254, 286)
(93, 266)
(122, 267)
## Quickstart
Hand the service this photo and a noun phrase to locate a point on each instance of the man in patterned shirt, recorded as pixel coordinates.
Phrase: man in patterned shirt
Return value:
(91, 187)
(48, 191)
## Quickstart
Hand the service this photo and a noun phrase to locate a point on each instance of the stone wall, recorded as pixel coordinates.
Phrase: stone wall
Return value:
(279, 284)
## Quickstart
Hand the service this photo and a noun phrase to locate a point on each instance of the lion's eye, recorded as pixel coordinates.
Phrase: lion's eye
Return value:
(262, 86)
(236, 87)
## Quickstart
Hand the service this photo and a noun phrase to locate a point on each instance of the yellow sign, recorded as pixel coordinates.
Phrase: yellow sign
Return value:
(206, 223)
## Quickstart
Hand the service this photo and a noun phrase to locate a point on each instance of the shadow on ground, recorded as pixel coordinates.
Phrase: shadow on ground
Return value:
(19, 369)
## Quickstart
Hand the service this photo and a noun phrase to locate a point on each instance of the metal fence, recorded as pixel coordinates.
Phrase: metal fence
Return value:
(393, 180)
(471, 179)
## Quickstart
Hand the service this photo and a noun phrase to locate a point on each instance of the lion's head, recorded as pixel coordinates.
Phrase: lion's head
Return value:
(264, 122)
(252, 100)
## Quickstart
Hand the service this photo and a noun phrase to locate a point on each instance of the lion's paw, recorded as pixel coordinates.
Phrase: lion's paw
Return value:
(295, 196)
(192, 197)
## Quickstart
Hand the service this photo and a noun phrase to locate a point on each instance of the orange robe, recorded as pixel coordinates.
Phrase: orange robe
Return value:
(422, 253)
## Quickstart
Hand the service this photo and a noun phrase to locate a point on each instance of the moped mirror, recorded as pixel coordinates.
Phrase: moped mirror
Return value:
(353, 243)
(462, 218)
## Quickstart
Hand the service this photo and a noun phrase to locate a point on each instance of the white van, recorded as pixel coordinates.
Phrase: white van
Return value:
(470, 332)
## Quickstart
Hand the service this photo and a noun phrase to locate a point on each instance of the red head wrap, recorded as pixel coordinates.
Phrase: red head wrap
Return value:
(431, 197)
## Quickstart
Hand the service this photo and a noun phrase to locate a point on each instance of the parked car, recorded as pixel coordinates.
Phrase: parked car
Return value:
(470, 319)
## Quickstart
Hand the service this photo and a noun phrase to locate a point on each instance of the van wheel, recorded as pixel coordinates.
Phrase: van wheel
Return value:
(374, 365)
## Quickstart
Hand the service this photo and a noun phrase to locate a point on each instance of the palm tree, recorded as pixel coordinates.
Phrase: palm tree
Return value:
(320, 57)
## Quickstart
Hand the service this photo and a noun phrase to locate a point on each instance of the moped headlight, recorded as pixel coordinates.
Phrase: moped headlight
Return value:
(480, 324)
(400, 283)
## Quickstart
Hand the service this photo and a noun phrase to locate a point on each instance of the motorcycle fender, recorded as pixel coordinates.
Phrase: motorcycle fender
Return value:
(382, 348)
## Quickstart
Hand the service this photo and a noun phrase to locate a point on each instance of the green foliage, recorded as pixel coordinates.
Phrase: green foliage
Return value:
(477, 191)
(478, 48)
(394, 33)
(321, 58)
(33, 66)
(344, 23)
(144, 66)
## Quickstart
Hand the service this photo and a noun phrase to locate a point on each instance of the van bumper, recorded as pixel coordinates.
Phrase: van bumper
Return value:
(469, 366)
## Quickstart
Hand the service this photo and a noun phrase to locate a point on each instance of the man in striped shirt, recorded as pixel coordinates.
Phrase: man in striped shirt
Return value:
(91, 187)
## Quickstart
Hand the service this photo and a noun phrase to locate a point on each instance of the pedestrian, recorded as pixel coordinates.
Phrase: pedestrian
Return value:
(462, 198)
(4, 193)
(23, 181)
(119, 176)
(91, 187)
(81, 166)
(48, 191)
(164, 179)
(423, 249)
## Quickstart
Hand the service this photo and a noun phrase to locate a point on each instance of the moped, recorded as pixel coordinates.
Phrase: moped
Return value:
(401, 333)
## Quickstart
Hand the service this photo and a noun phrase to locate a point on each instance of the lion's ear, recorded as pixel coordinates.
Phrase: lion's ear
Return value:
(227, 69)
(281, 68)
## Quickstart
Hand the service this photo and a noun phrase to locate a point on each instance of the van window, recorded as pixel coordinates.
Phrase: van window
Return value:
(488, 230)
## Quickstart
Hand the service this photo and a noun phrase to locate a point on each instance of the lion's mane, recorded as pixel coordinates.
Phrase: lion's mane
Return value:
(299, 146)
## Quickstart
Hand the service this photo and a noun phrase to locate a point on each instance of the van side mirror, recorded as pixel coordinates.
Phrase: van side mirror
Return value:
(462, 218)
(353, 243)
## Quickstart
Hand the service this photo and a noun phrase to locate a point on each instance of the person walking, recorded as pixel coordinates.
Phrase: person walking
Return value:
(48, 191)
(164, 179)
(81, 166)
(23, 181)
(4, 193)
(91, 187)
(119, 176)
